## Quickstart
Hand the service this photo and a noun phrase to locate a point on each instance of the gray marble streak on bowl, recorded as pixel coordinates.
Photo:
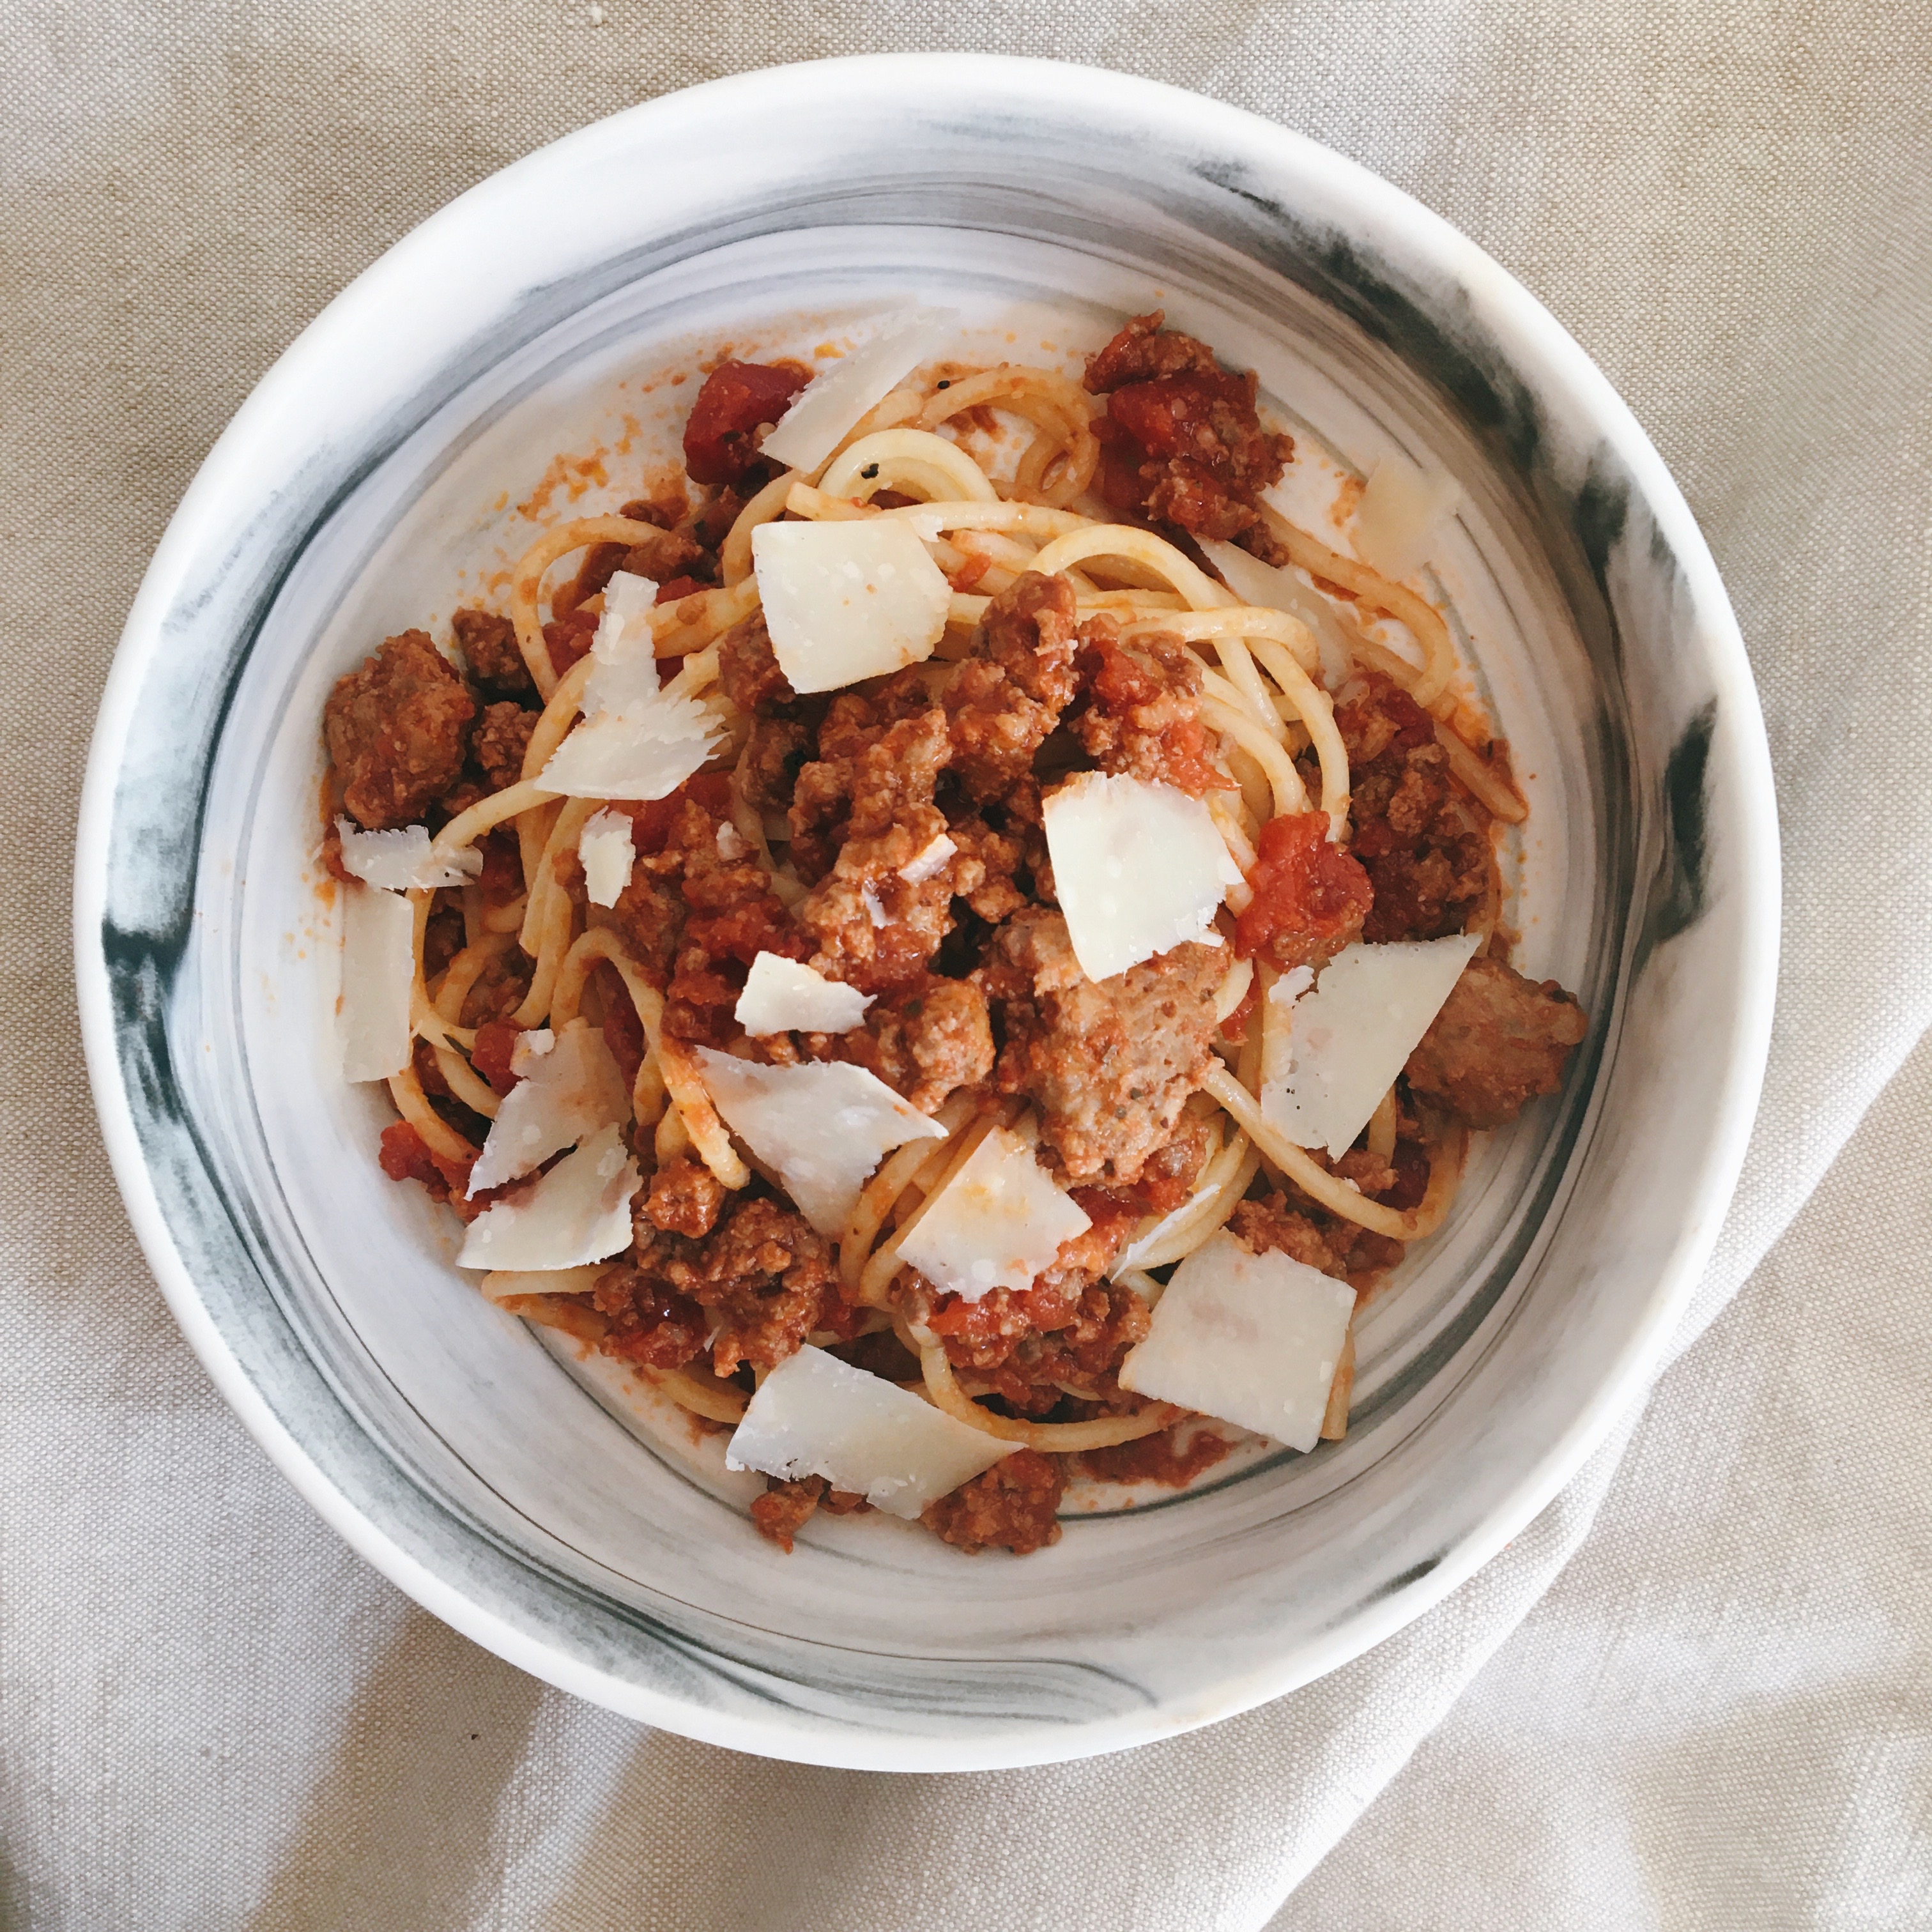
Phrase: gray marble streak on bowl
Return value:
(535, 1503)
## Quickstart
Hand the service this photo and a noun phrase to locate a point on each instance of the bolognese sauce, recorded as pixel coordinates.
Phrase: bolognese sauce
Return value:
(891, 838)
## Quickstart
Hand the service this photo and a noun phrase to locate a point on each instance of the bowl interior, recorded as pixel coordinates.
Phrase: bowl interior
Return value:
(552, 1506)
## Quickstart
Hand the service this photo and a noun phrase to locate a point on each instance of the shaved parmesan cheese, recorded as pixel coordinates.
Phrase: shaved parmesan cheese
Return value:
(929, 863)
(509, 1283)
(578, 1213)
(402, 861)
(829, 408)
(1399, 519)
(632, 741)
(1139, 866)
(608, 852)
(1351, 1036)
(625, 675)
(814, 1415)
(1252, 1338)
(1260, 584)
(567, 1088)
(823, 1128)
(647, 752)
(781, 996)
(845, 601)
(528, 1049)
(997, 1223)
(1278, 1024)
(730, 841)
(379, 971)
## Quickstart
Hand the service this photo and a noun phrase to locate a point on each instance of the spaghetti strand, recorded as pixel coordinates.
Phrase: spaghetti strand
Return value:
(527, 583)
(1102, 1432)
(997, 503)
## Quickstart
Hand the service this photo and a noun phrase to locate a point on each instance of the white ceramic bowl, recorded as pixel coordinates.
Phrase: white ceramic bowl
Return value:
(533, 1502)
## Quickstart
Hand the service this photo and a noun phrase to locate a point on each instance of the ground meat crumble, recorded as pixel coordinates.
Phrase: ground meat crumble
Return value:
(1424, 842)
(1109, 1065)
(398, 731)
(909, 811)
(748, 1291)
(1002, 703)
(783, 1510)
(488, 643)
(1012, 1506)
(1499, 1041)
(925, 1041)
(1182, 442)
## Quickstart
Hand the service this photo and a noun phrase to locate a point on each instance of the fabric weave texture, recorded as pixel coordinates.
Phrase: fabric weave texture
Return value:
(1714, 1713)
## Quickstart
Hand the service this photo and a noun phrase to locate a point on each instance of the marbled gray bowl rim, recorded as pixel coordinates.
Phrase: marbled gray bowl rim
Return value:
(122, 966)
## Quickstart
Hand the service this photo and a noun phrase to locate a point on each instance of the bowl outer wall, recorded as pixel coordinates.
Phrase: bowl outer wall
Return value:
(1404, 233)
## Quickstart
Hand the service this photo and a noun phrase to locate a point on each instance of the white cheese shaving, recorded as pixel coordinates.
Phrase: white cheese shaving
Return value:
(730, 841)
(828, 408)
(578, 1213)
(645, 752)
(875, 908)
(567, 1088)
(624, 674)
(1278, 1023)
(814, 1415)
(997, 1223)
(823, 1128)
(929, 863)
(1350, 1037)
(781, 996)
(847, 601)
(1399, 519)
(403, 860)
(633, 741)
(378, 973)
(1260, 584)
(608, 851)
(1252, 1338)
(529, 1048)
(509, 1283)
(1139, 866)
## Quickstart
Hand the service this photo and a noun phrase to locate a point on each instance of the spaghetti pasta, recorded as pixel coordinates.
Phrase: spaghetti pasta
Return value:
(1057, 1437)
(1057, 408)
(1394, 600)
(890, 458)
(890, 835)
(527, 583)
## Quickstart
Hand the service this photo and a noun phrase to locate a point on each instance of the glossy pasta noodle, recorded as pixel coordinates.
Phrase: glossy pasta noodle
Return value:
(1086, 629)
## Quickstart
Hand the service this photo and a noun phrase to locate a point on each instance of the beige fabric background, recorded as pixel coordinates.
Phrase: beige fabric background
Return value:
(211, 1716)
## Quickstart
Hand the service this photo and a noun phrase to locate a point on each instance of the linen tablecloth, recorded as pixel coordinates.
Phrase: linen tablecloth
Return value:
(1718, 1715)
